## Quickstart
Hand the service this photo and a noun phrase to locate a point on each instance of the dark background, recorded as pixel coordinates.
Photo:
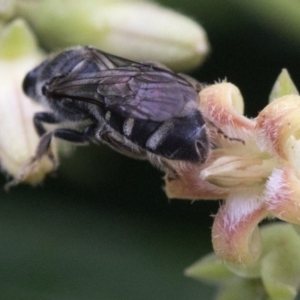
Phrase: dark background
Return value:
(103, 228)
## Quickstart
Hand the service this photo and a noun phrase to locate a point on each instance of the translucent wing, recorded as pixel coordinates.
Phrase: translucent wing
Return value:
(136, 90)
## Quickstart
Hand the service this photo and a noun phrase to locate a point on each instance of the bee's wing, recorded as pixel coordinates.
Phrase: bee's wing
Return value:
(139, 93)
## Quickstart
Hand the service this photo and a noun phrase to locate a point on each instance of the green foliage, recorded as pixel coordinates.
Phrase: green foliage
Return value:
(275, 276)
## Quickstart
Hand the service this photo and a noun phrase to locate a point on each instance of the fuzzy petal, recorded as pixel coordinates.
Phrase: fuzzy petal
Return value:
(277, 124)
(223, 105)
(282, 195)
(235, 235)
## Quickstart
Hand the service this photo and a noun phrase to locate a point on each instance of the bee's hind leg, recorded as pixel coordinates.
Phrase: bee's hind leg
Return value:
(121, 144)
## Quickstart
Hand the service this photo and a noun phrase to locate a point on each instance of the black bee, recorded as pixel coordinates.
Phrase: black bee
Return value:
(142, 110)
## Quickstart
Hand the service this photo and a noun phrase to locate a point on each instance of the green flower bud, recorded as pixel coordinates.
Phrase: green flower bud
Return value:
(136, 30)
(283, 86)
(7, 9)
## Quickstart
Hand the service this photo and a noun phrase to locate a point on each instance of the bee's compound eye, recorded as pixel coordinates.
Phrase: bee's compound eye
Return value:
(29, 83)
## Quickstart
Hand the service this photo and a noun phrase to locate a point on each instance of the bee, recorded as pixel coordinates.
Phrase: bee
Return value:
(140, 109)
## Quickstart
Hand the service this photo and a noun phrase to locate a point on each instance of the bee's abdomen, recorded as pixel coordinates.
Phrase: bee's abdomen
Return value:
(183, 138)
(137, 131)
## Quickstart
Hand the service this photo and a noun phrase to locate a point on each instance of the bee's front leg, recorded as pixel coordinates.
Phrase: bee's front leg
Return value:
(66, 134)
(69, 135)
(43, 149)
(44, 117)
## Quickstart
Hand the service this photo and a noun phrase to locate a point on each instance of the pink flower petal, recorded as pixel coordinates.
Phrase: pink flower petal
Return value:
(282, 195)
(277, 123)
(223, 105)
(235, 234)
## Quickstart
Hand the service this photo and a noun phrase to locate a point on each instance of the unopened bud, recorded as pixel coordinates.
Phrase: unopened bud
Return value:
(136, 30)
(18, 138)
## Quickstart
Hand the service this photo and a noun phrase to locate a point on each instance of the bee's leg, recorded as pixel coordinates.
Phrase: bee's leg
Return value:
(163, 165)
(43, 117)
(215, 131)
(170, 171)
(66, 134)
(121, 144)
(69, 135)
(43, 148)
(126, 147)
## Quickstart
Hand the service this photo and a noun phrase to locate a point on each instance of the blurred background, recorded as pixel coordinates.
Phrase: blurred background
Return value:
(103, 227)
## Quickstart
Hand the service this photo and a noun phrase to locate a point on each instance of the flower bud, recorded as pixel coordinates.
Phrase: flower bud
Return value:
(7, 9)
(136, 30)
(283, 86)
(18, 138)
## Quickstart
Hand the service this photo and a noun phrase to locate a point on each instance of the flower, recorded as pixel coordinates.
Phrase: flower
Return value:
(254, 166)
(18, 137)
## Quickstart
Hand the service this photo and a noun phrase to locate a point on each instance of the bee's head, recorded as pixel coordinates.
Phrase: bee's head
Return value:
(34, 80)
(29, 84)
(55, 66)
